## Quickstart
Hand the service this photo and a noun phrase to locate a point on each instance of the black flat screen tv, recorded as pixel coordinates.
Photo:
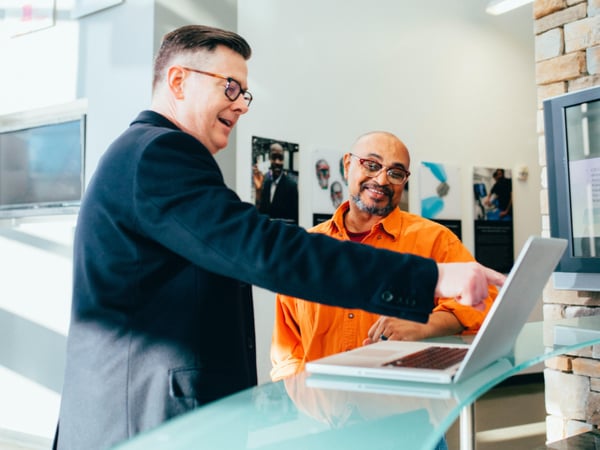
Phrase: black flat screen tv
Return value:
(572, 132)
(42, 168)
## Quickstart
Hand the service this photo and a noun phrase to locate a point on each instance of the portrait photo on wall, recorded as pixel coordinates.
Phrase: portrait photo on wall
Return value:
(329, 188)
(440, 194)
(493, 213)
(275, 178)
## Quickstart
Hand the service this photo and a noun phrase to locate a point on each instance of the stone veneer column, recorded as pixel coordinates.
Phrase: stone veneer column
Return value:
(567, 53)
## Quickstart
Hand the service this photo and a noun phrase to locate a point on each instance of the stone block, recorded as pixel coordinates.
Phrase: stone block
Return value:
(559, 296)
(576, 298)
(559, 18)
(564, 429)
(581, 34)
(566, 394)
(572, 311)
(549, 90)
(549, 44)
(552, 311)
(540, 119)
(595, 30)
(543, 165)
(586, 366)
(556, 428)
(544, 209)
(561, 363)
(593, 408)
(593, 7)
(595, 384)
(575, 427)
(584, 352)
(584, 82)
(542, 8)
(545, 226)
(561, 68)
(592, 58)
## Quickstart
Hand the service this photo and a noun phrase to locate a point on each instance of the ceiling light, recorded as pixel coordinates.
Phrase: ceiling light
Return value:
(496, 7)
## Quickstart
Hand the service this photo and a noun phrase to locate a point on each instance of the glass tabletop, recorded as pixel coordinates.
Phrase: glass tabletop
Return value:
(323, 412)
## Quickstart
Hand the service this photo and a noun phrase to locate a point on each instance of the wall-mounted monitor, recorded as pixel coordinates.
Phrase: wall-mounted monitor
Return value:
(572, 131)
(42, 167)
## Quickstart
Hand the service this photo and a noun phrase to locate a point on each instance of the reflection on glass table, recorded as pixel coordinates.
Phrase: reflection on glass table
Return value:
(323, 412)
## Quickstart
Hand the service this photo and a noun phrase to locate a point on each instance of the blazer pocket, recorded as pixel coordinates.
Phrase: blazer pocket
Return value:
(193, 386)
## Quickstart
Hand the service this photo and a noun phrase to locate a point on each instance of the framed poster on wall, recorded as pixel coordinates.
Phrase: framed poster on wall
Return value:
(492, 203)
(275, 178)
(440, 195)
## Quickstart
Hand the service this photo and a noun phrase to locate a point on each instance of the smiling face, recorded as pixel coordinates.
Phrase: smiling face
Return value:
(197, 103)
(375, 196)
(276, 157)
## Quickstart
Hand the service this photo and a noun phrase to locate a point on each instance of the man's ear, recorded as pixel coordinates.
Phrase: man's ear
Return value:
(347, 159)
(175, 78)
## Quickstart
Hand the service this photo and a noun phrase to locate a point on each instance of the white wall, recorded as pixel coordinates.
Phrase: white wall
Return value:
(456, 84)
(116, 48)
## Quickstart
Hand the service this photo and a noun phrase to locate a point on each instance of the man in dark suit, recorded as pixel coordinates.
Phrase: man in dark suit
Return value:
(278, 196)
(165, 256)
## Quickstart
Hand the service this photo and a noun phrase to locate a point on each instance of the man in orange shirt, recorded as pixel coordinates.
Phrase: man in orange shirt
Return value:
(377, 170)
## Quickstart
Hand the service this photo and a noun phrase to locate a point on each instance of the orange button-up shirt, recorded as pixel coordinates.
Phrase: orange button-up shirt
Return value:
(305, 331)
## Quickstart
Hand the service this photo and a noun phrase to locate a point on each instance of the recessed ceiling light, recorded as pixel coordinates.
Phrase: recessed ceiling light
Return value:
(496, 7)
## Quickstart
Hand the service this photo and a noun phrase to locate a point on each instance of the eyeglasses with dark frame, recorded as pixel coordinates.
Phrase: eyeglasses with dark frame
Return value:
(233, 89)
(371, 169)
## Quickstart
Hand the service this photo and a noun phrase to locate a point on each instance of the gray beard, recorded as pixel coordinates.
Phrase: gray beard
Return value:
(383, 211)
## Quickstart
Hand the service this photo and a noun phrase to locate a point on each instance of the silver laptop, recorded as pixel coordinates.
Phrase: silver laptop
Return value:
(458, 391)
(398, 360)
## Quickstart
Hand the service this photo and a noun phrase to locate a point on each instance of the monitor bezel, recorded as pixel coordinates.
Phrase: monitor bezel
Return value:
(572, 272)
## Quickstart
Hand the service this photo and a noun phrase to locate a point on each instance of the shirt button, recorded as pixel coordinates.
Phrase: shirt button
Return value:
(351, 315)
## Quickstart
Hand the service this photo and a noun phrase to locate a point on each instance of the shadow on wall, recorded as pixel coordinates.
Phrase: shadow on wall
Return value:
(35, 352)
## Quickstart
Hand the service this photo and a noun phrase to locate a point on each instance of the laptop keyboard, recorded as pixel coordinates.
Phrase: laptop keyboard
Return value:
(431, 358)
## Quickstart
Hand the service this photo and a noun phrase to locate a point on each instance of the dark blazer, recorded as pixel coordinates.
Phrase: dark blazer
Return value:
(164, 258)
(284, 204)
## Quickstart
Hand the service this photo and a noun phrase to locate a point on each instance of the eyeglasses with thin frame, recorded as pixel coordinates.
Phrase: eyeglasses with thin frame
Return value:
(371, 169)
(233, 89)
